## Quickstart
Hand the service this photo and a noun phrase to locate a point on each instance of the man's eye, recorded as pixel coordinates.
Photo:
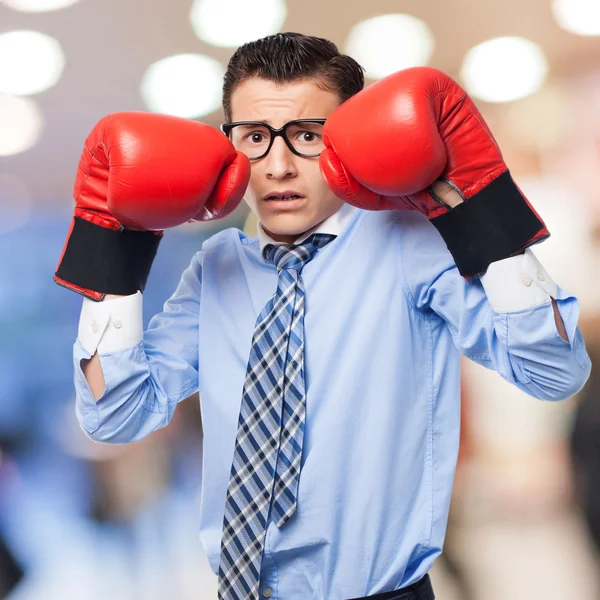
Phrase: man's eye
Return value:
(308, 137)
(256, 137)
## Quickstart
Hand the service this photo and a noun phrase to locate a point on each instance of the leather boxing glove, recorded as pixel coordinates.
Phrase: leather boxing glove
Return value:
(389, 143)
(139, 174)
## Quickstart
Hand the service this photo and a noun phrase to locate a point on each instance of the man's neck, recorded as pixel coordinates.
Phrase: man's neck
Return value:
(333, 225)
(287, 239)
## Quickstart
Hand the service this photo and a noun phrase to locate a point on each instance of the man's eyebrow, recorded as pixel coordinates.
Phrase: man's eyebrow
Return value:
(261, 121)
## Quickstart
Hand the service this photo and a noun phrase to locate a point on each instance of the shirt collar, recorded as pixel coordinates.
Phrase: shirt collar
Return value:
(333, 225)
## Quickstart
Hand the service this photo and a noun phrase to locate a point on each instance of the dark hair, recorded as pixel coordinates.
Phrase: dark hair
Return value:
(290, 57)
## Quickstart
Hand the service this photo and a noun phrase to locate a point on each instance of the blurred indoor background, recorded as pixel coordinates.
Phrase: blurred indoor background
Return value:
(87, 521)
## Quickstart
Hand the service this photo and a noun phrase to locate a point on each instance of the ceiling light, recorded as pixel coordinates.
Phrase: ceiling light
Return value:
(30, 62)
(504, 69)
(38, 5)
(231, 23)
(578, 16)
(184, 85)
(20, 123)
(389, 43)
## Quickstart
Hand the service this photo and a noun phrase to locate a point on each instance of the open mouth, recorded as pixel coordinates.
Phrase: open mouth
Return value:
(283, 197)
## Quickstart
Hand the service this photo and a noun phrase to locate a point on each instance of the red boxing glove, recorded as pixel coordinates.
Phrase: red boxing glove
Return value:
(140, 173)
(390, 142)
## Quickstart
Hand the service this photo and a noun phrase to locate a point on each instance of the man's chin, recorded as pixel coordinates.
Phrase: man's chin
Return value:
(275, 228)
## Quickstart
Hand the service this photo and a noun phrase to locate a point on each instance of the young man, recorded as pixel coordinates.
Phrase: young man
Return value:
(326, 349)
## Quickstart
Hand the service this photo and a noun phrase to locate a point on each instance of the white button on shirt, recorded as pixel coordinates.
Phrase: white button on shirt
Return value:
(111, 325)
(387, 317)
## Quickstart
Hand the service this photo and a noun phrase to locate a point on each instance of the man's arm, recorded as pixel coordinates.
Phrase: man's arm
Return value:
(504, 320)
(163, 171)
(92, 368)
(560, 326)
(452, 198)
(136, 378)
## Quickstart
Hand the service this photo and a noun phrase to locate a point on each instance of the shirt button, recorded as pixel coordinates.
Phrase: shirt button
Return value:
(117, 323)
(267, 593)
(526, 280)
(94, 327)
(541, 276)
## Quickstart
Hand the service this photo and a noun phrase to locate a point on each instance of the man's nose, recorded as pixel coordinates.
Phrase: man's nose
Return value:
(280, 160)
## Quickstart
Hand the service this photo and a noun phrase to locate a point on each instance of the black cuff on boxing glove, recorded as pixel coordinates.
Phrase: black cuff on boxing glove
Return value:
(107, 261)
(494, 224)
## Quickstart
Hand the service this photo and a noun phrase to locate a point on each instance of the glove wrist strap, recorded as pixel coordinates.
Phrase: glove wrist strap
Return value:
(107, 261)
(494, 224)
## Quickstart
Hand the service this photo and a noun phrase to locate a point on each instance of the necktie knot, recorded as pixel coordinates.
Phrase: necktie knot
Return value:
(295, 256)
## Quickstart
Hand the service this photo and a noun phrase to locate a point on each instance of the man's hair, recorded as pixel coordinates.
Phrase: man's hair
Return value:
(292, 57)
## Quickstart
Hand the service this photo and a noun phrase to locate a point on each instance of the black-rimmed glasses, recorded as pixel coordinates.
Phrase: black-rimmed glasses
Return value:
(304, 137)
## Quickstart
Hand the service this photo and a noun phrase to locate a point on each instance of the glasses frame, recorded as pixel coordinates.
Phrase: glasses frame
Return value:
(279, 132)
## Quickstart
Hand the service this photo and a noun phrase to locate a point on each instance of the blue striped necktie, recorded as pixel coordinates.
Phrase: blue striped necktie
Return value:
(264, 475)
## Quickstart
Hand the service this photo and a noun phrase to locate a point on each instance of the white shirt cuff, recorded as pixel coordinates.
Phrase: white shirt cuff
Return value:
(111, 325)
(518, 283)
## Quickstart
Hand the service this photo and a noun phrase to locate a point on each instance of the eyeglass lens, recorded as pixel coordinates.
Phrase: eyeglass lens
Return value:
(253, 140)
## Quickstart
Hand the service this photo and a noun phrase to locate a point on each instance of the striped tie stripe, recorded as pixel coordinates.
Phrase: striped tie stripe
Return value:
(265, 472)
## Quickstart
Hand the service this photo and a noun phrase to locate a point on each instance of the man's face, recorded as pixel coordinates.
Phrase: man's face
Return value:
(281, 170)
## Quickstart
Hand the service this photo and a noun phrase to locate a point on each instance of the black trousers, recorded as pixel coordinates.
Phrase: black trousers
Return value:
(421, 590)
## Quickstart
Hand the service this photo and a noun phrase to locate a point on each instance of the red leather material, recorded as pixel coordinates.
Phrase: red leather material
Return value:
(389, 143)
(402, 133)
(152, 172)
(149, 172)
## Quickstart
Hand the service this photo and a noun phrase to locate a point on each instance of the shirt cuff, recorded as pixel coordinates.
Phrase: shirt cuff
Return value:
(111, 325)
(518, 283)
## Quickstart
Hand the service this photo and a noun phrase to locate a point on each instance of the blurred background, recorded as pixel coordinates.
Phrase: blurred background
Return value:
(80, 520)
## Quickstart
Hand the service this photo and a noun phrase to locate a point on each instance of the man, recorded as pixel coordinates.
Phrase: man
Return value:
(326, 350)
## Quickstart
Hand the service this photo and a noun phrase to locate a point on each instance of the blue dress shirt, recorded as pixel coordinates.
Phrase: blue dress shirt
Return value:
(387, 317)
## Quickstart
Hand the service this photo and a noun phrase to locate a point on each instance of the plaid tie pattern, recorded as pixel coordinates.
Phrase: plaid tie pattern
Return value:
(266, 465)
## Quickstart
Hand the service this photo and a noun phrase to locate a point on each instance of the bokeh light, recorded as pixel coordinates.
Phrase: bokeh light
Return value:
(388, 43)
(231, 23)
(30, 62)
(184, 85)
(578, 16)
(38, 5)
(21, 124)
(504, 69)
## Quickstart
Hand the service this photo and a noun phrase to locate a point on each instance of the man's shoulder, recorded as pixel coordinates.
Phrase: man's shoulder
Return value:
(413, 224)
(402, 223)
(406, 218)
(232, 236)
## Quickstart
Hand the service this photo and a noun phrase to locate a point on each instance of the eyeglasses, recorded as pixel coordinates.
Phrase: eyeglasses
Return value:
(304, 137)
